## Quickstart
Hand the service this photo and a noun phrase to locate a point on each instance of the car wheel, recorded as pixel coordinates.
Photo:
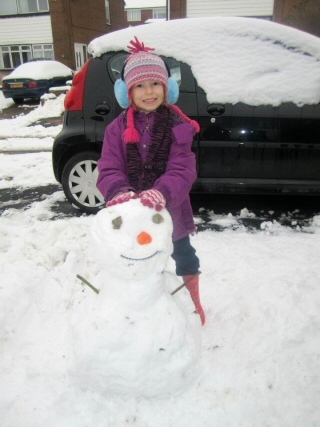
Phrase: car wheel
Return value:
(79, 179)
(17, 100)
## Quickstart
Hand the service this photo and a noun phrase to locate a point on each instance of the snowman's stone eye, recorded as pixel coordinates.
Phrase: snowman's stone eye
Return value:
(157, 218)
(116, 223)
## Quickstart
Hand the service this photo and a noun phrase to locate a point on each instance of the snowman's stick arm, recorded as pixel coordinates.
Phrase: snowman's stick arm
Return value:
(185, 283)
(88, 283)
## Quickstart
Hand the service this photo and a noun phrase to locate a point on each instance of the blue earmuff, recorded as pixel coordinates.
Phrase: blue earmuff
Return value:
(121, 93)
(121, 90)
(173, 90)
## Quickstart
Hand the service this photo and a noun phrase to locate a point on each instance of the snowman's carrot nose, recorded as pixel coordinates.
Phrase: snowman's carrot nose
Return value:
(144, 238)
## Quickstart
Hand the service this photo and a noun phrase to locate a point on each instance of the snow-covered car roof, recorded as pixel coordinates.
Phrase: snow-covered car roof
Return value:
(248, 60)
(39, 70)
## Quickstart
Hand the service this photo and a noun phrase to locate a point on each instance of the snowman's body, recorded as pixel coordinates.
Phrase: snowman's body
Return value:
(134, 337)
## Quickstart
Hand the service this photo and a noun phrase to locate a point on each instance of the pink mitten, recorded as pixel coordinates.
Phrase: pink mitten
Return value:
(122, 197)
(153, 199)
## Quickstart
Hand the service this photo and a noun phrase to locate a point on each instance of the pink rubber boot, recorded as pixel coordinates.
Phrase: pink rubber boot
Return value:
(192, 284)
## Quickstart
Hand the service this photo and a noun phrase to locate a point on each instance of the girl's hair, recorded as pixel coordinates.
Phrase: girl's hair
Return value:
(131, 135)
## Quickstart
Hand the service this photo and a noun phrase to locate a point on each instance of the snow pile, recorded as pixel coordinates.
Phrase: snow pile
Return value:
(259, 350)
(4, 102)
(234, 60)
(130, 336)
(316, 221)
(21, 125)
(36, 170)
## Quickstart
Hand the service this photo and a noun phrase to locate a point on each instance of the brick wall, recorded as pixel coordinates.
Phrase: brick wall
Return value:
(80, 21)
(301, 14)
(178, 9)
(62, 32)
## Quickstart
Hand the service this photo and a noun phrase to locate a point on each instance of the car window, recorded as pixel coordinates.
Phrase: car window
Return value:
(175, 69)
(115, 65)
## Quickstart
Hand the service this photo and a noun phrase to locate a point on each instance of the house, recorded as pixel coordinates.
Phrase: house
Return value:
(144, 11)
(25, 32)
(301, 14)
(256, 9)
(62, 29)
(54, 29)
(76, 22)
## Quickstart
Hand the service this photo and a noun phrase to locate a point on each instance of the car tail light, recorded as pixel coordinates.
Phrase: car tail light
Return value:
(32, 85)
(5, 85)
(74, 98)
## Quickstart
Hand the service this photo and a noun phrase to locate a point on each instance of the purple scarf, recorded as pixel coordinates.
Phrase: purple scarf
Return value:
(143, 176)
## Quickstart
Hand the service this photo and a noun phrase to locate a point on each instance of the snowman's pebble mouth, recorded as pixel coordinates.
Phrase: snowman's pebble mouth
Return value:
(140, 259)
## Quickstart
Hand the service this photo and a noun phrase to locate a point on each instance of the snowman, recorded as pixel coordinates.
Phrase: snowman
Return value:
(132, 336)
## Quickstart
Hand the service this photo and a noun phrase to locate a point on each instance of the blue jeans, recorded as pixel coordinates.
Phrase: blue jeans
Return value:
(185, 257)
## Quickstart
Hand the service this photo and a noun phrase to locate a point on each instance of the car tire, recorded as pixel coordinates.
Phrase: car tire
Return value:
(79, 179)
(18, 101)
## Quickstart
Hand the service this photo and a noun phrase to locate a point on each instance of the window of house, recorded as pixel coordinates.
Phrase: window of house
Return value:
(8, 8)
(5, 57)
(160, 13)
(32, 6)
(43, 5)
(107, 11)
(43, 51)
(13, 56)
(14, 7)
(134, 15)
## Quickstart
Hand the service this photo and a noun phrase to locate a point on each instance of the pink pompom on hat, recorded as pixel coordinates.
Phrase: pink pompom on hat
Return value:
(142, 65)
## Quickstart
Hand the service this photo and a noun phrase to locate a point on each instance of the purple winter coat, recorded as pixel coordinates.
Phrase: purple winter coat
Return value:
(175, 184)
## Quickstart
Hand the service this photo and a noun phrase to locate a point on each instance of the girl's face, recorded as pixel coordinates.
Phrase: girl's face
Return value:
(148, 95)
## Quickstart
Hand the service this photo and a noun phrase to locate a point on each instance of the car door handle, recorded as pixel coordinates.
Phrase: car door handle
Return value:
(102, 109)
(215, 110)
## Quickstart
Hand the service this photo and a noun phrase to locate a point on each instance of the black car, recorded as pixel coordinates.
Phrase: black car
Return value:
(33, 79)
(242, 147)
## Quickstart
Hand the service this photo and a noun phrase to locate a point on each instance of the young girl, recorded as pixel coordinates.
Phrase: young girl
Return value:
(147, 154)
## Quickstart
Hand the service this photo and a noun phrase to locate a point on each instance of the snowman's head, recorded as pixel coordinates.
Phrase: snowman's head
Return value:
(132, 240)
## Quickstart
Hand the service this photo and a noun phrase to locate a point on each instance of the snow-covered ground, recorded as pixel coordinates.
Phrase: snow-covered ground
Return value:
(260, 346)
(21, 133)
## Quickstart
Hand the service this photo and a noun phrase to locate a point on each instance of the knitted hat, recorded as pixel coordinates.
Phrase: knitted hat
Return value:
(142, 65)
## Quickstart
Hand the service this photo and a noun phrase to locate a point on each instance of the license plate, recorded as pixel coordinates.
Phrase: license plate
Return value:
(16, 85)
